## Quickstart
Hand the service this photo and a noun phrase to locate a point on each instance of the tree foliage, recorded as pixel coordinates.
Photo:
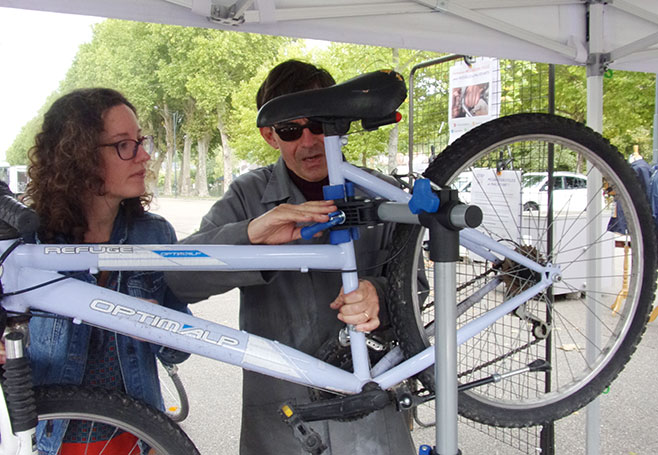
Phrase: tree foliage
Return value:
(208, 79)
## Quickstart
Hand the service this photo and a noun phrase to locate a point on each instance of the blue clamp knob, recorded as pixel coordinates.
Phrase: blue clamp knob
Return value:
(423, 198)
(350, 192)
(335, 218)
(425, 450)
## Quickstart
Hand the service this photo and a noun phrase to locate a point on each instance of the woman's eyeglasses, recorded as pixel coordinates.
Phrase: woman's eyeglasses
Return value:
(292, 131)
(127, 148)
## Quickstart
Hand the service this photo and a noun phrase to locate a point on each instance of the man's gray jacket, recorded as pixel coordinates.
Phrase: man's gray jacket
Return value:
(292, 308)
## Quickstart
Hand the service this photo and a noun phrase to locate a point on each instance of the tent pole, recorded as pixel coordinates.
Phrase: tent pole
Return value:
(596, 65)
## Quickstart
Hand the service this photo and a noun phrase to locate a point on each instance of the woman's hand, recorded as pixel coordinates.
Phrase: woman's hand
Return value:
(280, 225)
(359, 307)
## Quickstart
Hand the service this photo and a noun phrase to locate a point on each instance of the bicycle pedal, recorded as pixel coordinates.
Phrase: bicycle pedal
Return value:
(309, 438)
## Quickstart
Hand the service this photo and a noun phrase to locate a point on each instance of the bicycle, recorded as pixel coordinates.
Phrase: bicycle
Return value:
(510, 368)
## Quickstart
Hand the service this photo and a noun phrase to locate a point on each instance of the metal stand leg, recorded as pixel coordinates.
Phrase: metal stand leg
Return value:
(445, 366)
(444, 230)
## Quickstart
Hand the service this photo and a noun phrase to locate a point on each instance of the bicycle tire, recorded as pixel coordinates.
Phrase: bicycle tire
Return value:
(533, 399)
(177, 405)
(116, 409)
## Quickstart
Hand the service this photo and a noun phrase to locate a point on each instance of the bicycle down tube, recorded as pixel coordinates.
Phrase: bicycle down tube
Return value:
(111, 310)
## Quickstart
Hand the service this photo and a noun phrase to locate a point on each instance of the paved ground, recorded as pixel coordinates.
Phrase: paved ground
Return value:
(629, 412)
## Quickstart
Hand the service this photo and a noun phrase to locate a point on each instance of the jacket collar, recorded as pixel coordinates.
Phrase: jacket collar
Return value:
(120, 228)
(280, 188)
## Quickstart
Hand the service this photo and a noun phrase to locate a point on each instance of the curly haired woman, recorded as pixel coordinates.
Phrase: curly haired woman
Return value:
(88, 169)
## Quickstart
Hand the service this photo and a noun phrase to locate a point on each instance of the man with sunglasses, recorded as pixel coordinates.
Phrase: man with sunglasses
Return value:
(302, 310)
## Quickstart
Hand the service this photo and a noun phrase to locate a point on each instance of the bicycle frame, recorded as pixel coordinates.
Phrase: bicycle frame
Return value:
(32, 265)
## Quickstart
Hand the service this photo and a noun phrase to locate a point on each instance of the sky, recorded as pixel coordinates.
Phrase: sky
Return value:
(36, 50)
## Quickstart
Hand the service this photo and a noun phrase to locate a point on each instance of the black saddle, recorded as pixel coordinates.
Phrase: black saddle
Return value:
(372, 98)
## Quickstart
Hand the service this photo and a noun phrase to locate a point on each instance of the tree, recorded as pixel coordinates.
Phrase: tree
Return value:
(343, 61)
(194, 90)
(628, 108)
(350, 60)
(217, 64)
(126, 56)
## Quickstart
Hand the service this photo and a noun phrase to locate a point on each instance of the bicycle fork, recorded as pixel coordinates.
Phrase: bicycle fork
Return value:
(18, 414)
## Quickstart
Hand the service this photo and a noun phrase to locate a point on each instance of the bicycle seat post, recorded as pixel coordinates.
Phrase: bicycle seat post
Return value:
(359, 350)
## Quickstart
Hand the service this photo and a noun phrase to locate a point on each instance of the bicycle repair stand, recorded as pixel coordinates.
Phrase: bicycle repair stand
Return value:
(444, 227)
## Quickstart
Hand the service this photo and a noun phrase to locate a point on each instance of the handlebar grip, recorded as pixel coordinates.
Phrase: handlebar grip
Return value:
(23, 219)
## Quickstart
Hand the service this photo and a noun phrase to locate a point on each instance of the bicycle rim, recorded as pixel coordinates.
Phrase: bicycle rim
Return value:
(554, 325)
(115, 414)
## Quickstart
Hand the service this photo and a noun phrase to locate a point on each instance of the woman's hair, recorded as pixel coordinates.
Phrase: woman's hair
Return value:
(65, 165)
(292, 76)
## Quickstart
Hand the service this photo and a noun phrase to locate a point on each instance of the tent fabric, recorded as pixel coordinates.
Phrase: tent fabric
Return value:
(553, 31)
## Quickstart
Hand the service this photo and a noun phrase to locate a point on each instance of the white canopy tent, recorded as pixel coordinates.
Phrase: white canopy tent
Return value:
(554, 31)
(601, 34)
(620, 34)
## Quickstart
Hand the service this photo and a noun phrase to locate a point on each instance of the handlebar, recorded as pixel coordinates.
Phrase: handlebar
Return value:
(16, 216)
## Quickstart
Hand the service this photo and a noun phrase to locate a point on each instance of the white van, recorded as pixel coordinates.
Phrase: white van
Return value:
(14, 176)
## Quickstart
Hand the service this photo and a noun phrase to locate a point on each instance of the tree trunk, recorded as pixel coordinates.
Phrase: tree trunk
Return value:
(228, 153)
(185, 187)
(394, 134)
(155, 164)
(169, 156)
(201, 171)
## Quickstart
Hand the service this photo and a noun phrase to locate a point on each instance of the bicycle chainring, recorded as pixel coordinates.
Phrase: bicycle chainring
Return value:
(335, 352)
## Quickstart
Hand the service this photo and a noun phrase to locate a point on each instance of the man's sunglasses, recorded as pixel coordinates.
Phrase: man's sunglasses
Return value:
(292, 131)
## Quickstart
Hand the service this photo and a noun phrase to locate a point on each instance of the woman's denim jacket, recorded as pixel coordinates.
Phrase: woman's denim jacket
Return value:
(58, 347)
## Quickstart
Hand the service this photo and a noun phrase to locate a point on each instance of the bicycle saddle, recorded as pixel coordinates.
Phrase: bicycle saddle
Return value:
(370, 96)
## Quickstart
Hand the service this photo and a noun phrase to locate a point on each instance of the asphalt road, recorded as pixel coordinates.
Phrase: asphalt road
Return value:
(629, 412)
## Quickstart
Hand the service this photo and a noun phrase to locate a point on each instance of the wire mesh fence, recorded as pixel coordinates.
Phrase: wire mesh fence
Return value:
(441, 110)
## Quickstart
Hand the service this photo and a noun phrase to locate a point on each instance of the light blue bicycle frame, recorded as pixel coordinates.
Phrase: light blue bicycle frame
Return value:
(32, 265)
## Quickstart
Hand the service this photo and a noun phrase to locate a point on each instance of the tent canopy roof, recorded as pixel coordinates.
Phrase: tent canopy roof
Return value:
(553, 31)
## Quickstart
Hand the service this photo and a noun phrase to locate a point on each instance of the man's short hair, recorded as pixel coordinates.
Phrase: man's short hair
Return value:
(292, 76)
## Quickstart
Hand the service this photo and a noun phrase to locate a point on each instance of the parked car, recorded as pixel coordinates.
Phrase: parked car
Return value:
(569, 191)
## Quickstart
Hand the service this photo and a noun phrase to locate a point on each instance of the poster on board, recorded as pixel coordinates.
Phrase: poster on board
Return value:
(498, 194)
(474, 95)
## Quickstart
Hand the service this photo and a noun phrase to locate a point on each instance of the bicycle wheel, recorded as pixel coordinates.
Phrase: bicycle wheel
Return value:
(119, 413)
(177, 406)
(607, 278)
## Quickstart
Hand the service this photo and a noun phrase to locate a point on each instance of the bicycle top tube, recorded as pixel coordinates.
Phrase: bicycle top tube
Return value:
(180, 257)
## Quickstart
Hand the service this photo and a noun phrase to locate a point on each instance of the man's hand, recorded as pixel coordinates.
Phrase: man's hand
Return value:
(360, 307)
(280, 225)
